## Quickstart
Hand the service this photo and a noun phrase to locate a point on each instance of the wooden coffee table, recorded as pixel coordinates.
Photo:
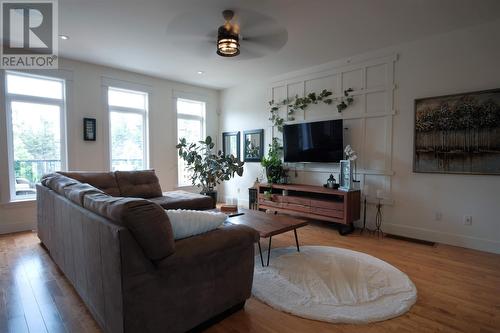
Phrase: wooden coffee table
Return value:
(268, 225)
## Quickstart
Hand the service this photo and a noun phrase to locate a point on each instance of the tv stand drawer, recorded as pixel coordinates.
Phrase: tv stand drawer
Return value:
(297, 208)
(329, 212)
(327, 204)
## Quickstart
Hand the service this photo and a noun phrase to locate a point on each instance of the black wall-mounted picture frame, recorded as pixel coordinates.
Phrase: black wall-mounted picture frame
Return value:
(253, 145)
(231, 144)
(89, 129)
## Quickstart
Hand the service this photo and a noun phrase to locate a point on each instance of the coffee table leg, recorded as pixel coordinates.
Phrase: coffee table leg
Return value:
(260, 252)
(296, 240)
(269, 250)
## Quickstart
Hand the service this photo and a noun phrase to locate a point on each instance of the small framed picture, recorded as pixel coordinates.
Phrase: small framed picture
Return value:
(345, 181)
(231, 144)
(254, 145)
(89, 129)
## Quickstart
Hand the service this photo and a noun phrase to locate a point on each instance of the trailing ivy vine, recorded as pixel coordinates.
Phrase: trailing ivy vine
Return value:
(301, 103)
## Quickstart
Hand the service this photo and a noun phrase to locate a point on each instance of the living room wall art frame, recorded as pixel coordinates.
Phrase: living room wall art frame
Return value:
(89, 129)
(253, 149)
(231, 144)
(458, 134)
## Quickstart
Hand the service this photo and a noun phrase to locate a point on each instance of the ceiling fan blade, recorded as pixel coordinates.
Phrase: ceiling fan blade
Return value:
(270, 42)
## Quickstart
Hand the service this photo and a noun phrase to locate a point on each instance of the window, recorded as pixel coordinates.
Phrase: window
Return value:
(35, 120)
(191, 126)
(128, 129)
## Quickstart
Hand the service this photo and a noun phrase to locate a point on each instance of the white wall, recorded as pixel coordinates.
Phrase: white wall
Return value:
(460, 61)
(86, 100)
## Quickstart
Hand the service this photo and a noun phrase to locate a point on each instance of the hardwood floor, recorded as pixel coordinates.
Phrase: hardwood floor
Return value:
(458, 289)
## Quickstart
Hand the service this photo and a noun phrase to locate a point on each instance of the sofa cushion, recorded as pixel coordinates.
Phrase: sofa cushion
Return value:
(187, 223)
(77, 192)
(58, 182)
(139, 184)
(105, 181)
(184, 200)
(148, 222)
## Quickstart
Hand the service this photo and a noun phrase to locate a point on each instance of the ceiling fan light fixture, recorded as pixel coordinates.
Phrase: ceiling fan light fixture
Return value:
(228, 39)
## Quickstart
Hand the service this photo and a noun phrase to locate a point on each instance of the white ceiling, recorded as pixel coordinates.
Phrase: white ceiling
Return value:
(134, 34)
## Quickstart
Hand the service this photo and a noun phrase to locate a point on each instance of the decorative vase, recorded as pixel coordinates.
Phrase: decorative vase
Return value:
(212, 194)
(274, 173)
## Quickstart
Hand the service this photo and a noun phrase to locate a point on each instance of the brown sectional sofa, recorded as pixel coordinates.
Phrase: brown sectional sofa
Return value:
(120, 255)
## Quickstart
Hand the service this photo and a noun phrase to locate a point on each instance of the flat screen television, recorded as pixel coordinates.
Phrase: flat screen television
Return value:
(320, 141)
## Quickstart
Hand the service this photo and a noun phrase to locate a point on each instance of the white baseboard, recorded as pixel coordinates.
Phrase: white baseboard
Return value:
(443, 237)
(7, 228)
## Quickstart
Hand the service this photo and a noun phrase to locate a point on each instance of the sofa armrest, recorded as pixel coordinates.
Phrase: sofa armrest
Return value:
(206, 275)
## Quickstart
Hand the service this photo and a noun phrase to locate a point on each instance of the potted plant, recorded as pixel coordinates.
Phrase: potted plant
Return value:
(272, 163)
(208, 169)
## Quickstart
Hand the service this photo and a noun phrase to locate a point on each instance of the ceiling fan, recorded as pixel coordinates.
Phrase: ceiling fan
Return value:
(228, 36)
(245, 33)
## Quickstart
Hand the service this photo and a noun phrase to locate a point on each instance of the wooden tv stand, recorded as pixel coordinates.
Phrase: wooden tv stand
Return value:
(315, 202)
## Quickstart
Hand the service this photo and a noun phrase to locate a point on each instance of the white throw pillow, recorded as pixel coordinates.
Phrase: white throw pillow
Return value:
(186, 223)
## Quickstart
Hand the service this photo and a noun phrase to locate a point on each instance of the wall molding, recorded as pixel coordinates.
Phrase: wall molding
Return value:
(476, 243)
(372, 114)
(10, 227)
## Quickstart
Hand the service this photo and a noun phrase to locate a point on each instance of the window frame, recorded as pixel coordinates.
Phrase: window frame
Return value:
(203, 119)
(11, 97)
(144, 113)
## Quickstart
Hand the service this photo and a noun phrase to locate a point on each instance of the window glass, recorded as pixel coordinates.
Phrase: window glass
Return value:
(127, 98)
(191, 126)
(127, 141)
(36, 143)
(34, 86)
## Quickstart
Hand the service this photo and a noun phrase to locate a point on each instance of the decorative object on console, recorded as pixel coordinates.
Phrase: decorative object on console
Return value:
(273, 163)
(252, 198)
(89, 129)
(302, 103)
(458, 133)
(345, 175)
(331, 182)
(378, 218)
(208, 169)
(231, 144)
(254, 145)
(351, 155)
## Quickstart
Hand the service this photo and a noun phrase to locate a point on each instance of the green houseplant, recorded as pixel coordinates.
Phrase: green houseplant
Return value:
(272, 163)
(208, 168)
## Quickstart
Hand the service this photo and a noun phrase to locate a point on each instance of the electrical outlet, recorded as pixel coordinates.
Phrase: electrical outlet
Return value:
(438, 216)
(467, 220)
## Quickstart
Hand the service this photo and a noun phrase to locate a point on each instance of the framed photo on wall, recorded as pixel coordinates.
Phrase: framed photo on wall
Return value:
(89, 129)
(231, 144)
(253, 145)
(458, 133)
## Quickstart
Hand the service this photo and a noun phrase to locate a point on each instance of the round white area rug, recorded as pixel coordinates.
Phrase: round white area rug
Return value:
(333, 284)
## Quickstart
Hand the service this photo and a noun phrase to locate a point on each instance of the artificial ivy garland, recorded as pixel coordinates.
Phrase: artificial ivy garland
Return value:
(301, 103)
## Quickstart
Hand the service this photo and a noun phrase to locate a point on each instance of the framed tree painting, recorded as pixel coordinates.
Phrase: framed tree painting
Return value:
(458, 133)
(231, 144)
(253, 145)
